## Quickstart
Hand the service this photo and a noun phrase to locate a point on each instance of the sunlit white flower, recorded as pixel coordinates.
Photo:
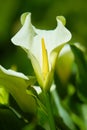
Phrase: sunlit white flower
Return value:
(42, 47)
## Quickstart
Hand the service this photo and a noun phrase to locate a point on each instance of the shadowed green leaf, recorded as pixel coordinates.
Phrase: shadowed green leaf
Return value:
(16, 84)
(81, 73)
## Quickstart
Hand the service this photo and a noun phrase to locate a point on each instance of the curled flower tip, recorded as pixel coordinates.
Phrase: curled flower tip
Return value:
(62, 19)
(23, 17)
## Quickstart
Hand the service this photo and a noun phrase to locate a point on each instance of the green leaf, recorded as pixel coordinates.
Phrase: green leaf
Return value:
(78, 121)
(4, 96)
(31, 91)
(84, 113)
(81, 73)
(62, 112)
(16, 84)
(80, 60)
(9, 120)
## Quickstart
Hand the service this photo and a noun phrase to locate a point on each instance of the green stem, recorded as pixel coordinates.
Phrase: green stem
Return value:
(49, 111)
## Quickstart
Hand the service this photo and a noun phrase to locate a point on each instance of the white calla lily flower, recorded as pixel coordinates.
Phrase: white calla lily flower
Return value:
(42, 47)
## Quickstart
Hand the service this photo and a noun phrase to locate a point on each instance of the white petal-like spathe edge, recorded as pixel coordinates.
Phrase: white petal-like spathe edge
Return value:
(13, 73)
(38, 89)
(24, 37)
(53, 38)
(65, 49)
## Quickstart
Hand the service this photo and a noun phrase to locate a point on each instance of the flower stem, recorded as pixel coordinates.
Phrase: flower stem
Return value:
(49, 111)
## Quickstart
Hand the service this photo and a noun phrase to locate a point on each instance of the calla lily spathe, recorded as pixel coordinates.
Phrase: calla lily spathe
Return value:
(42, 47)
